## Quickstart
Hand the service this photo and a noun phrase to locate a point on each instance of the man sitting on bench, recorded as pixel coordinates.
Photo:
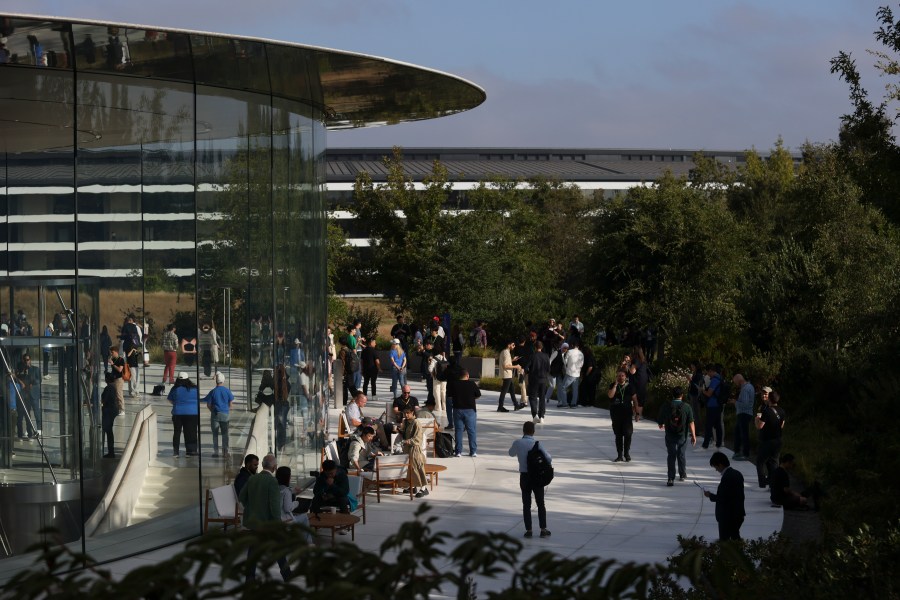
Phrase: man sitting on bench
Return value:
(356, 419)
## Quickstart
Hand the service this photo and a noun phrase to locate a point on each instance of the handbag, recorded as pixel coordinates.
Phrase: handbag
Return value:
(126, 373)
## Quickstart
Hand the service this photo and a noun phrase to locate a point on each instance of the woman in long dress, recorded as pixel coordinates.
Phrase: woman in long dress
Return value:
(412, 443)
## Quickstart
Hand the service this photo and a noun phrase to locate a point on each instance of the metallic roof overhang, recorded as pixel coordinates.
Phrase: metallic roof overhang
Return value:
(351, 89)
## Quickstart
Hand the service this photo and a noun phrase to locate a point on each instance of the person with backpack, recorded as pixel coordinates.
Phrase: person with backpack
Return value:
(535, 470)
(712, 396)
(441, 365)
(677, 419)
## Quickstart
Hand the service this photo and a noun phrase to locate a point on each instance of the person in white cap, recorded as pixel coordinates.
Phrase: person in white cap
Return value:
(185, 399)
(218, 401)
(398, 367)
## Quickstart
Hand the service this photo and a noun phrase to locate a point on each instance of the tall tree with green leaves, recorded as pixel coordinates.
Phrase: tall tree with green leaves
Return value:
(403, 225)
(664, 255)
(867, 143)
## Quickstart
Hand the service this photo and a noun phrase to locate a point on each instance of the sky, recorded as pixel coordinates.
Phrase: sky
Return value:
(700, 74)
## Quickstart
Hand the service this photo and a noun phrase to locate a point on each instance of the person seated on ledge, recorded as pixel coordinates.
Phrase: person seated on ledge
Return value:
(363, 451)
(356, 419)
(332, 488)
(289, 501)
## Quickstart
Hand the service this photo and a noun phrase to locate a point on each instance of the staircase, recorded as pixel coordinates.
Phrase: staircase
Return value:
(165, 489)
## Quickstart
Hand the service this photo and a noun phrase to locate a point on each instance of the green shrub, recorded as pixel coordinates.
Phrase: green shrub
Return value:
(479, 352)
(369, 320)
(490, 383)
(608, 355)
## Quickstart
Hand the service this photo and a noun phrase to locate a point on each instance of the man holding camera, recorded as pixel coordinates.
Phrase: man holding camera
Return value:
(623, 399)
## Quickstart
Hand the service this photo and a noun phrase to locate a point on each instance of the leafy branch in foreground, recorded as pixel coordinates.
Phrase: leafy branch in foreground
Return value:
(418, 562)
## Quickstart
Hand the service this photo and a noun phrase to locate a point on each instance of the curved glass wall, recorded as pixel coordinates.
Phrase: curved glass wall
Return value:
(169, 179)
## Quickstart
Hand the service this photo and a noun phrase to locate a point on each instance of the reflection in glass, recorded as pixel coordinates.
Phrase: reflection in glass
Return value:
(161, 206)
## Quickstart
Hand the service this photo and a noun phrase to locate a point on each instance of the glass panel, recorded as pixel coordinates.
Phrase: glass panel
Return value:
(233, 179)
(41, 432)
(144, 52)
(136, 236)
(36, 43)
(237, 64)
(236, 245)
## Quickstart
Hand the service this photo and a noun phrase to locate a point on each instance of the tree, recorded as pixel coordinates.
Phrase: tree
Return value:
(827, 277)
(664, 255)
(867, 144)
(504, 256)
(403, 225)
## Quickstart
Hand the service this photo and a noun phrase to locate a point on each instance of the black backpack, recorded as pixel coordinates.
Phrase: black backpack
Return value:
(539, 468)
(440, 370)
(443, 444)
(343, 448)
(556, 366)
(677, 419)
(723, 393)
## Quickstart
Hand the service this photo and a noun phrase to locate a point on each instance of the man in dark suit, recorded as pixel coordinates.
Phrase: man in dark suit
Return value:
(729, 498)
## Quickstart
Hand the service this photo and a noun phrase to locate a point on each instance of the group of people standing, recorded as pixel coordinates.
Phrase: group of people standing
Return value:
(678, 419)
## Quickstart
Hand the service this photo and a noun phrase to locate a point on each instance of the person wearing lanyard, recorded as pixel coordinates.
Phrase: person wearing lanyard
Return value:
(622, 397)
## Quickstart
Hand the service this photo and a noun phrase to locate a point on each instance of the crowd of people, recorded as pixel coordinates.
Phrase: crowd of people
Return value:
(552, 358)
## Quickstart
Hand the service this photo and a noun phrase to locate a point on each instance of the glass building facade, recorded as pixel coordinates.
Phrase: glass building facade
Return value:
(174, 178)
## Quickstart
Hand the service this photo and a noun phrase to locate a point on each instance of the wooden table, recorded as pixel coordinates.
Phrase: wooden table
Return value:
(334, 521)
(433, 472)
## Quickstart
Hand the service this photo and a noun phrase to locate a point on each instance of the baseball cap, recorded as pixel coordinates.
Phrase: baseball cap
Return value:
(183, 375)
(767, 389)
(220, 378)
(395, 341)
(563, 346)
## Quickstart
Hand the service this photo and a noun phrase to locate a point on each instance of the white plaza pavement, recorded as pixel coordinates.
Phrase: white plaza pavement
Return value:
(595, 507)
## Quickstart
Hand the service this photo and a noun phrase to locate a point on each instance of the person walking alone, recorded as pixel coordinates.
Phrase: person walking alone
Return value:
(218, 401)
(677, 419)
(527, 482)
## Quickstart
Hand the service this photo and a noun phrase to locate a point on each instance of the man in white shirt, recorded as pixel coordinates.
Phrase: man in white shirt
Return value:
(508, 371)
(356, 419)
(573, 360)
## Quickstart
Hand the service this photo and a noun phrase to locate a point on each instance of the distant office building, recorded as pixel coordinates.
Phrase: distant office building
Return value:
(178, 177)
(608, 171)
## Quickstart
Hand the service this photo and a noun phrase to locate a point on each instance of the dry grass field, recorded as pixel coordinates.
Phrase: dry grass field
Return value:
(114, 305)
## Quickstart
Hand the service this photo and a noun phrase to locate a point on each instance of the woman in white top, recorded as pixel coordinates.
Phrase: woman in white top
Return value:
(289, 501)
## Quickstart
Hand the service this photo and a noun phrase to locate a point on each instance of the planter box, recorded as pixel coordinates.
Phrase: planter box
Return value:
(384, 357)
(479, 367)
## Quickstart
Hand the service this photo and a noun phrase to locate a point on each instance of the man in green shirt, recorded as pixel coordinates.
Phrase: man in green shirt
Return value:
(677, 419)
(261, 499)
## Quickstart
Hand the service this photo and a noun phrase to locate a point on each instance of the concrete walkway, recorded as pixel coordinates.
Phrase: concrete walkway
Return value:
(621, 511)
